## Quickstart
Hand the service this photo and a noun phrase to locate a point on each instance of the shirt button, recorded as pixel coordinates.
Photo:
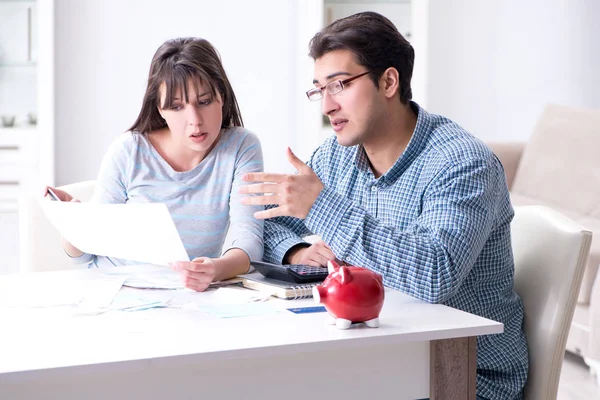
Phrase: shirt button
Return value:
(374, 188)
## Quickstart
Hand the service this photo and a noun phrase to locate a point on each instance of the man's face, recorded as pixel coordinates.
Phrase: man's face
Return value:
(355, 110)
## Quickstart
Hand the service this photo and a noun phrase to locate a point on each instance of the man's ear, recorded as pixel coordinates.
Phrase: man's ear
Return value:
(390, 82)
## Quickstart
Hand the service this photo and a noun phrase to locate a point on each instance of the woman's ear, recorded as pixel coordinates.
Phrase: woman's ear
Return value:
(160, 111)
(390, 82)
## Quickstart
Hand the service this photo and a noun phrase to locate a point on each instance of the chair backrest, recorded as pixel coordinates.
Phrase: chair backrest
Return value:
(40, 246)
(550, 253)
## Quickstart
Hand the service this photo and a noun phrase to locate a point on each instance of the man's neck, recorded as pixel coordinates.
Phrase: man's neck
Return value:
(393, 137)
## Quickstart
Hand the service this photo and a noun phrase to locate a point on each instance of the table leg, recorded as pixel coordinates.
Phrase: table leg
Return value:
(453, 369)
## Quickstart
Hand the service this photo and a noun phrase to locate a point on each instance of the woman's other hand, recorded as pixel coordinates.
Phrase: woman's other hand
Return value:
(197, 274)
(62, 195)
(71, 250)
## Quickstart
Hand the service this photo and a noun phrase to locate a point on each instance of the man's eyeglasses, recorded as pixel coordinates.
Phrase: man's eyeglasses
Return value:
(332, 87)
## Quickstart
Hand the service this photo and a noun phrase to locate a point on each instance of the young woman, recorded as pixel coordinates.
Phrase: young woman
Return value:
(187, 149)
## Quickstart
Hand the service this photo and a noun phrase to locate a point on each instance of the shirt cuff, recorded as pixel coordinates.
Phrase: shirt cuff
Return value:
(85, 258)
(326, 214)
(283, 247)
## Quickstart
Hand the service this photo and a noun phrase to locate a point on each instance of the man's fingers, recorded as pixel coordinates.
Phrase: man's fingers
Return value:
(263, 177)
(260, 200)
(321, 259)
(322, 243)
(295, 161)
(311, 262)
(325, 253)
(270, 213)
(259, 188)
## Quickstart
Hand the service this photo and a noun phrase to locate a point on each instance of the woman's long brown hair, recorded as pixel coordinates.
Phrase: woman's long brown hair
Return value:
(177, 63)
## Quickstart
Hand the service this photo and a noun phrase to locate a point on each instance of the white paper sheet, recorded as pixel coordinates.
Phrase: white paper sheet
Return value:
(147, 276)
(43, 291)
(138, 232)
(138, 300)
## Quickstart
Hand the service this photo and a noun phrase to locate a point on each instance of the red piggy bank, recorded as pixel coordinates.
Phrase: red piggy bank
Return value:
(351, 294)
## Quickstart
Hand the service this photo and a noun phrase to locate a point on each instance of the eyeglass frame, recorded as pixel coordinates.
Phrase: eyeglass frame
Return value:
(340, 82)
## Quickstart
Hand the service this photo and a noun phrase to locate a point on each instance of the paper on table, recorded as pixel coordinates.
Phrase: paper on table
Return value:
(47, 291)
(240, 310)
(191, 300)
(137, 300)
(147, 276)
(138, 232)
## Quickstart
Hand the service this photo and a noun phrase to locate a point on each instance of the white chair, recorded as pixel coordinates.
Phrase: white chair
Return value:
(550, 253)
(40, 246)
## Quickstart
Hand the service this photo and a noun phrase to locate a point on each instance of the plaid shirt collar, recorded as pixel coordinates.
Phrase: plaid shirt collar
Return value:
(415, 146)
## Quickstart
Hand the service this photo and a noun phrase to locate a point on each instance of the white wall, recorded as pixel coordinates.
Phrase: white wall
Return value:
(103, 52)
(492, 65)
(489, 65)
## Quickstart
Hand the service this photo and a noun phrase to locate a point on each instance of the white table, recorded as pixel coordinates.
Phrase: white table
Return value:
(420, 350)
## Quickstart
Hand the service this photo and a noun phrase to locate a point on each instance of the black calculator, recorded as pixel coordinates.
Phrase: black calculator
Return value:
(296, 273)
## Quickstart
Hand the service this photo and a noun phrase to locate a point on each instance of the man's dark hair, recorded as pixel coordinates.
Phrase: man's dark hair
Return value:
(376, 44)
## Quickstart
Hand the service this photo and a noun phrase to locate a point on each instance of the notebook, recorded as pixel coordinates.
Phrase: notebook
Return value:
(277, 288)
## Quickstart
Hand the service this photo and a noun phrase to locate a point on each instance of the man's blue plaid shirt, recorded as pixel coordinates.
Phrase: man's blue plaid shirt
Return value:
(436, 225)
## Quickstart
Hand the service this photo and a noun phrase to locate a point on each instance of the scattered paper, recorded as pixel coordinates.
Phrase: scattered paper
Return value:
(47, 290)
(137, 300)
(148, 276)
(158, 279)
(144, 233)
(191, 300)
(227, 295)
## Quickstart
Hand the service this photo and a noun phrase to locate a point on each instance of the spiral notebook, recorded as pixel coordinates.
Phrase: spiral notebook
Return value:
(277, 288)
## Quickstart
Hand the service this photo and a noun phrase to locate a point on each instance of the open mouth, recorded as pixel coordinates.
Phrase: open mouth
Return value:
(338, 124)
(198, 136)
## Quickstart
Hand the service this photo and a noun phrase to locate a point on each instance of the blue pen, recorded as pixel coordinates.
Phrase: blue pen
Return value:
(305, 310)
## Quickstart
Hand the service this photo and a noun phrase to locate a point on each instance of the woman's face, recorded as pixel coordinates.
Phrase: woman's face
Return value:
(196, 124)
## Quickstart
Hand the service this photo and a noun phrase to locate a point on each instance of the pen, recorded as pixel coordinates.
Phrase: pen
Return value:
(53, 195)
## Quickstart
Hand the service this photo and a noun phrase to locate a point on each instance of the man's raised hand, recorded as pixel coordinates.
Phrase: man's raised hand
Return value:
(294, 194)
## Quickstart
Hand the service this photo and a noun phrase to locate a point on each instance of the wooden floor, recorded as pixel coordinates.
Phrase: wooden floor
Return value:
(576, 383)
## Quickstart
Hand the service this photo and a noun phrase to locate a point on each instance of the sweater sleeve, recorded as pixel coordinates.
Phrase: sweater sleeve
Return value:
(245, 232)
(111, 183)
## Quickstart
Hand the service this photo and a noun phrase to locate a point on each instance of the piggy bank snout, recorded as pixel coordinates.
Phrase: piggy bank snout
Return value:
(319, 293)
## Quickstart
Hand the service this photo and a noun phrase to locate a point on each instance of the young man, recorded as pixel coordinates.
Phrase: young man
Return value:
(408, 194)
